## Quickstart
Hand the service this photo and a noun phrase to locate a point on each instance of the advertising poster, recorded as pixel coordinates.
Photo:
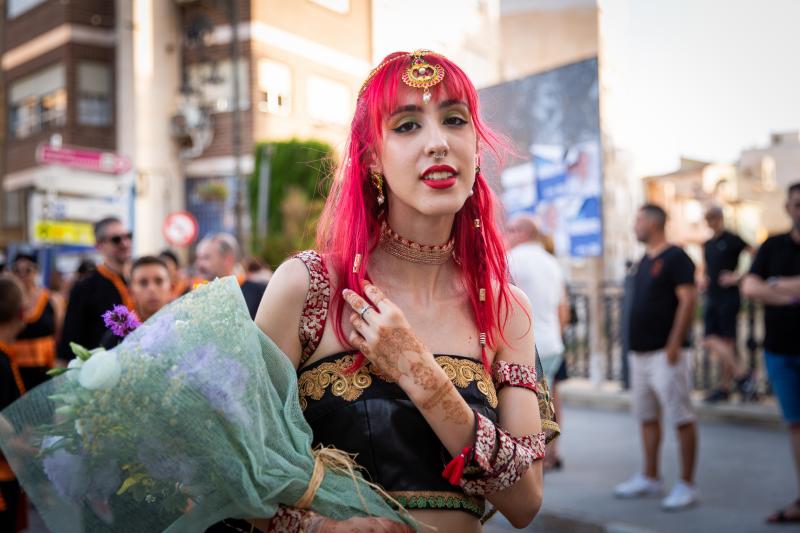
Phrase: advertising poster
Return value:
(553, 119)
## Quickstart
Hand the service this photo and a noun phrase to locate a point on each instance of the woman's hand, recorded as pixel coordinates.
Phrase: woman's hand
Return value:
(381, 332)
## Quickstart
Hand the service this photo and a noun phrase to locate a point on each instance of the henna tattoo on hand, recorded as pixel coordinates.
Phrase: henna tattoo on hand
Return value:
(392, 342)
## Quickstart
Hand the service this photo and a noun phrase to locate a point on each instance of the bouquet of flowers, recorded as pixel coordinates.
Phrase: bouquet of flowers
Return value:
(192, 419)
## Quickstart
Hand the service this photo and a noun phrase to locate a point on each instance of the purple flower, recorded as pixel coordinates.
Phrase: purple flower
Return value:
(121, 320)
(220, 380)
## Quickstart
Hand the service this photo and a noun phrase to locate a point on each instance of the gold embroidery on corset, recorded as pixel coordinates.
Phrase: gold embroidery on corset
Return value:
(463, 371)
(313, 383)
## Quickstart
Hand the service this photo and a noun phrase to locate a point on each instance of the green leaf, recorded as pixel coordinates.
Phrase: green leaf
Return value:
(130, 482)
(56, 371)
(82, 353)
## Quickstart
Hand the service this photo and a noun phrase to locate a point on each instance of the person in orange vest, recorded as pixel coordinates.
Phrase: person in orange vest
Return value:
(12, 322)
(100, 290)
(181, 284)
(218, 255)
(35, 348)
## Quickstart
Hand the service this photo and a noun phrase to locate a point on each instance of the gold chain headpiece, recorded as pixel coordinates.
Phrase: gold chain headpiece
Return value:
(420, 74)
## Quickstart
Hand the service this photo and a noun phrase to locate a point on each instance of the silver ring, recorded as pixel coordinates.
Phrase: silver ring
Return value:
(367, 308)
(437, 155)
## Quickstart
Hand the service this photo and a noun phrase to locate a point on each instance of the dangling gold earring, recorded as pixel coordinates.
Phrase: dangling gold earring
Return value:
(377, 182)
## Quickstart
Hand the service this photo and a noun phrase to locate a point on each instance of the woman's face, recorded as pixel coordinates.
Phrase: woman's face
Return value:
(412, 135)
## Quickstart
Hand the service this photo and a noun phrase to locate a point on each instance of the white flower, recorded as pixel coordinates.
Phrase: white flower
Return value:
(74, 368)
(101, 371)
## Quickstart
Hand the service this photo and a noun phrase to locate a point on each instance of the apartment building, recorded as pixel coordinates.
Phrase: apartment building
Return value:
(150, 87)
(58, 68)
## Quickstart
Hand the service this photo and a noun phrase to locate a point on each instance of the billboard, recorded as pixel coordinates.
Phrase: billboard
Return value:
(553, 119)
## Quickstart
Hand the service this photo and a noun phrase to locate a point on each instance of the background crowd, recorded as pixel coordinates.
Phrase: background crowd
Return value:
(38, 323)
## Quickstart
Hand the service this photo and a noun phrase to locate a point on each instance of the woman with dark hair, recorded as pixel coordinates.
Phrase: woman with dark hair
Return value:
(35, 348)
(413, 351)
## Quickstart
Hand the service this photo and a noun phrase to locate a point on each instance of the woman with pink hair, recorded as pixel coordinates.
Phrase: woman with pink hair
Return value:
(413, 350)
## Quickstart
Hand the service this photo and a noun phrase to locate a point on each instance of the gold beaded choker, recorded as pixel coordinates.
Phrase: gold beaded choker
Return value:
(414, 252)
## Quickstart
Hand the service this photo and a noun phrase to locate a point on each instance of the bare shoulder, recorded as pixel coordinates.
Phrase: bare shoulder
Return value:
(518, 345)
(281, 306)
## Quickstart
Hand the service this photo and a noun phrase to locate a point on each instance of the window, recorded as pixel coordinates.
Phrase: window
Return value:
(340, 6)
(94, 94)
(275, 87)
(214, 81)
(37, 102)
(12, 208)
(15, 8)
(328, 101)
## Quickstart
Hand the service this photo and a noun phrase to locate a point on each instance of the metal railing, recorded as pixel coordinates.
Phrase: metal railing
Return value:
(613, 365)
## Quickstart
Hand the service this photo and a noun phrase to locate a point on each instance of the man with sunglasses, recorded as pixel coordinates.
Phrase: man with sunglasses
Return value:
(100, 290)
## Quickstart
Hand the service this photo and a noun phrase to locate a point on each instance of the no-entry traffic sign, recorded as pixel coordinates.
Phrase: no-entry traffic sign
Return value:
(180, 229)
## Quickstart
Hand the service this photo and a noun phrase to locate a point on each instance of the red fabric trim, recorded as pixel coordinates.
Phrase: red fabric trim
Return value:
(507, 374)
(315, 308)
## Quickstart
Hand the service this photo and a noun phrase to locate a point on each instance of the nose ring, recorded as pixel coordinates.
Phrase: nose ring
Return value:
(438, 155)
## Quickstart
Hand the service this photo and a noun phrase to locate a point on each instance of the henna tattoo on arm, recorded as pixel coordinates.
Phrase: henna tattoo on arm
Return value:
(453, 410)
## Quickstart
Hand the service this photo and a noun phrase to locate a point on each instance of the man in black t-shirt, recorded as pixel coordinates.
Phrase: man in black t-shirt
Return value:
(721, 254)
(663, 303)
(217, 256)
(774, 280)
(99, 290)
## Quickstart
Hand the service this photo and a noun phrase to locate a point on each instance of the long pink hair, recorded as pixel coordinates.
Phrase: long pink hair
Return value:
(351, 220)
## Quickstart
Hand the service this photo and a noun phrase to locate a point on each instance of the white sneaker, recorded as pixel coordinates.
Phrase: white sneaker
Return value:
(639, 486)
(680, 497)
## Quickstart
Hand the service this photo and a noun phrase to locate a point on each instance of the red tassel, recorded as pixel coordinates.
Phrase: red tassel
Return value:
(455, 468)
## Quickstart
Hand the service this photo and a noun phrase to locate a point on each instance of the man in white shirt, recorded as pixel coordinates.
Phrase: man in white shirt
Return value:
(539, 275)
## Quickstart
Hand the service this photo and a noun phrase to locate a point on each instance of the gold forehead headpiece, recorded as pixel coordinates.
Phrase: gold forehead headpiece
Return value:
(419, 74)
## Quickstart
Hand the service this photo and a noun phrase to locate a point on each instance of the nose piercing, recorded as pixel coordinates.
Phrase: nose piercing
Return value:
(438, 155)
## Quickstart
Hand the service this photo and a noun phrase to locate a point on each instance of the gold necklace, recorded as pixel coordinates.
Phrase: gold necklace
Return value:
(414, 252)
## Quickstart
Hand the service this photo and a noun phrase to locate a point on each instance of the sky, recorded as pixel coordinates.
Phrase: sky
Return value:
(699, 78)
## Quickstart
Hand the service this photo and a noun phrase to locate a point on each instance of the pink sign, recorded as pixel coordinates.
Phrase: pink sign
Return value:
(83, 158)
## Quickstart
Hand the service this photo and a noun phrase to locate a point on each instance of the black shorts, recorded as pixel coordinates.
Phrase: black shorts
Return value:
(721, 313)
(561, 373)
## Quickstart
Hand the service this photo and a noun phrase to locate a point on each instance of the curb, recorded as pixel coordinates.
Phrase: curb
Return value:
(558, 522)
(608, 396)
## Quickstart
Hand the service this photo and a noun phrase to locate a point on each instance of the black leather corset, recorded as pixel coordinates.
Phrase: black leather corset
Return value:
(364, 414)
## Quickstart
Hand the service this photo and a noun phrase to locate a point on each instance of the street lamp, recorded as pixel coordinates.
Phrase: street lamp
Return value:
(193, 123)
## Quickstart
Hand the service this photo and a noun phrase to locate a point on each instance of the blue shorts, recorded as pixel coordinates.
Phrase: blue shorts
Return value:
(784, 374)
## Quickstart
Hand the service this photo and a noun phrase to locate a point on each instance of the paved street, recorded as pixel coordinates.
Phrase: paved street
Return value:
(744, 473)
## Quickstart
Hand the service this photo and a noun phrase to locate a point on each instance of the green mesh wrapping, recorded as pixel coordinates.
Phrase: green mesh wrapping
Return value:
(197, 401)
